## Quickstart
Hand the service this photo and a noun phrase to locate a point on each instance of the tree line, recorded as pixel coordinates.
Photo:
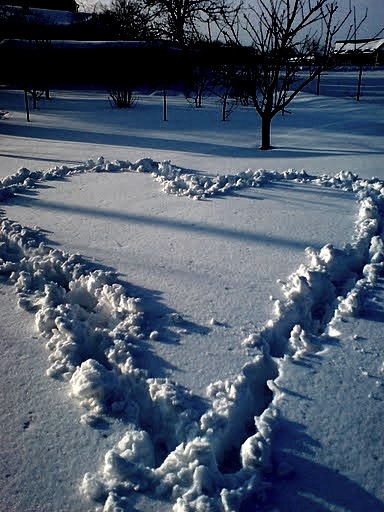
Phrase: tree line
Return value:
(261, 54)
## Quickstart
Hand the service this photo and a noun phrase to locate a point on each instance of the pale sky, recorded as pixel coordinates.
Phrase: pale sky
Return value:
(375, 18)
(371, 27)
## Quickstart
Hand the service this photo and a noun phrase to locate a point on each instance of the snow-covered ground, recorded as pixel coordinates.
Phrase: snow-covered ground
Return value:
(189, 323)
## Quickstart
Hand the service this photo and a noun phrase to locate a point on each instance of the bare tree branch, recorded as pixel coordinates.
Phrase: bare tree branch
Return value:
(180, 19)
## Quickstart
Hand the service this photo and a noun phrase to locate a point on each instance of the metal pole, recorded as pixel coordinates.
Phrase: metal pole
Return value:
(164, 104)
(26, 104)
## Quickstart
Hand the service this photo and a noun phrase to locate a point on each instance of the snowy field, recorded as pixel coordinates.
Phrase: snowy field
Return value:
(189, 323)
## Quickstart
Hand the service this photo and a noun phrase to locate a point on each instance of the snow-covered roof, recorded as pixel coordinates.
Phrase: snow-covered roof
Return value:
(26, 5)
(359, 45)
(53, 17)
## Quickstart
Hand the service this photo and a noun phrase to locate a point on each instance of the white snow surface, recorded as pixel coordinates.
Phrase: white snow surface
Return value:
(201, 332)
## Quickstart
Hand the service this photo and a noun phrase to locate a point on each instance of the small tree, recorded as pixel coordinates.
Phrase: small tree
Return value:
(284, 33)
(227, 83)
(225, 78)
(198, 78)
(360, 57)
(43, 47)
(197, 84)
(35, 60)
(122, 97)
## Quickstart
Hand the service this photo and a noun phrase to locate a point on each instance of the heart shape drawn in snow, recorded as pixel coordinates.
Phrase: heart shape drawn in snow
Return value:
(198, 454)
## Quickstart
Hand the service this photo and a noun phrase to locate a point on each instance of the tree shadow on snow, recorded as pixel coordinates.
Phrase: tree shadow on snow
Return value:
(373, 307)
(163, 222)
(40, 159)
(300, 194)
(308, 486)
(170, 325)
(167, 143)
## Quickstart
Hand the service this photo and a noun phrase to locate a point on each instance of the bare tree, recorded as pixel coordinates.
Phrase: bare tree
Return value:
(128, 20)
(42, 80)
(180, 19)
(122, 97)
(224, 88)
(197, 84)
(201, 62)
(215, 69)
(284, 35)
(358, 54)
(36, 71)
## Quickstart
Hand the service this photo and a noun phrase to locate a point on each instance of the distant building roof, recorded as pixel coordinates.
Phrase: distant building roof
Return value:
(51, 17)
(359, 45)
(56, 5)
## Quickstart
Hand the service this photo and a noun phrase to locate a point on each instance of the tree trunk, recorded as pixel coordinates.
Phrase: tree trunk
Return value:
(266, 132)
(224, 110)
(179, 30)
(34, 96)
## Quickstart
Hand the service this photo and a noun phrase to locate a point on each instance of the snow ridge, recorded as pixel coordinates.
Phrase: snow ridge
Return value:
(200, 460)
(174, 180)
